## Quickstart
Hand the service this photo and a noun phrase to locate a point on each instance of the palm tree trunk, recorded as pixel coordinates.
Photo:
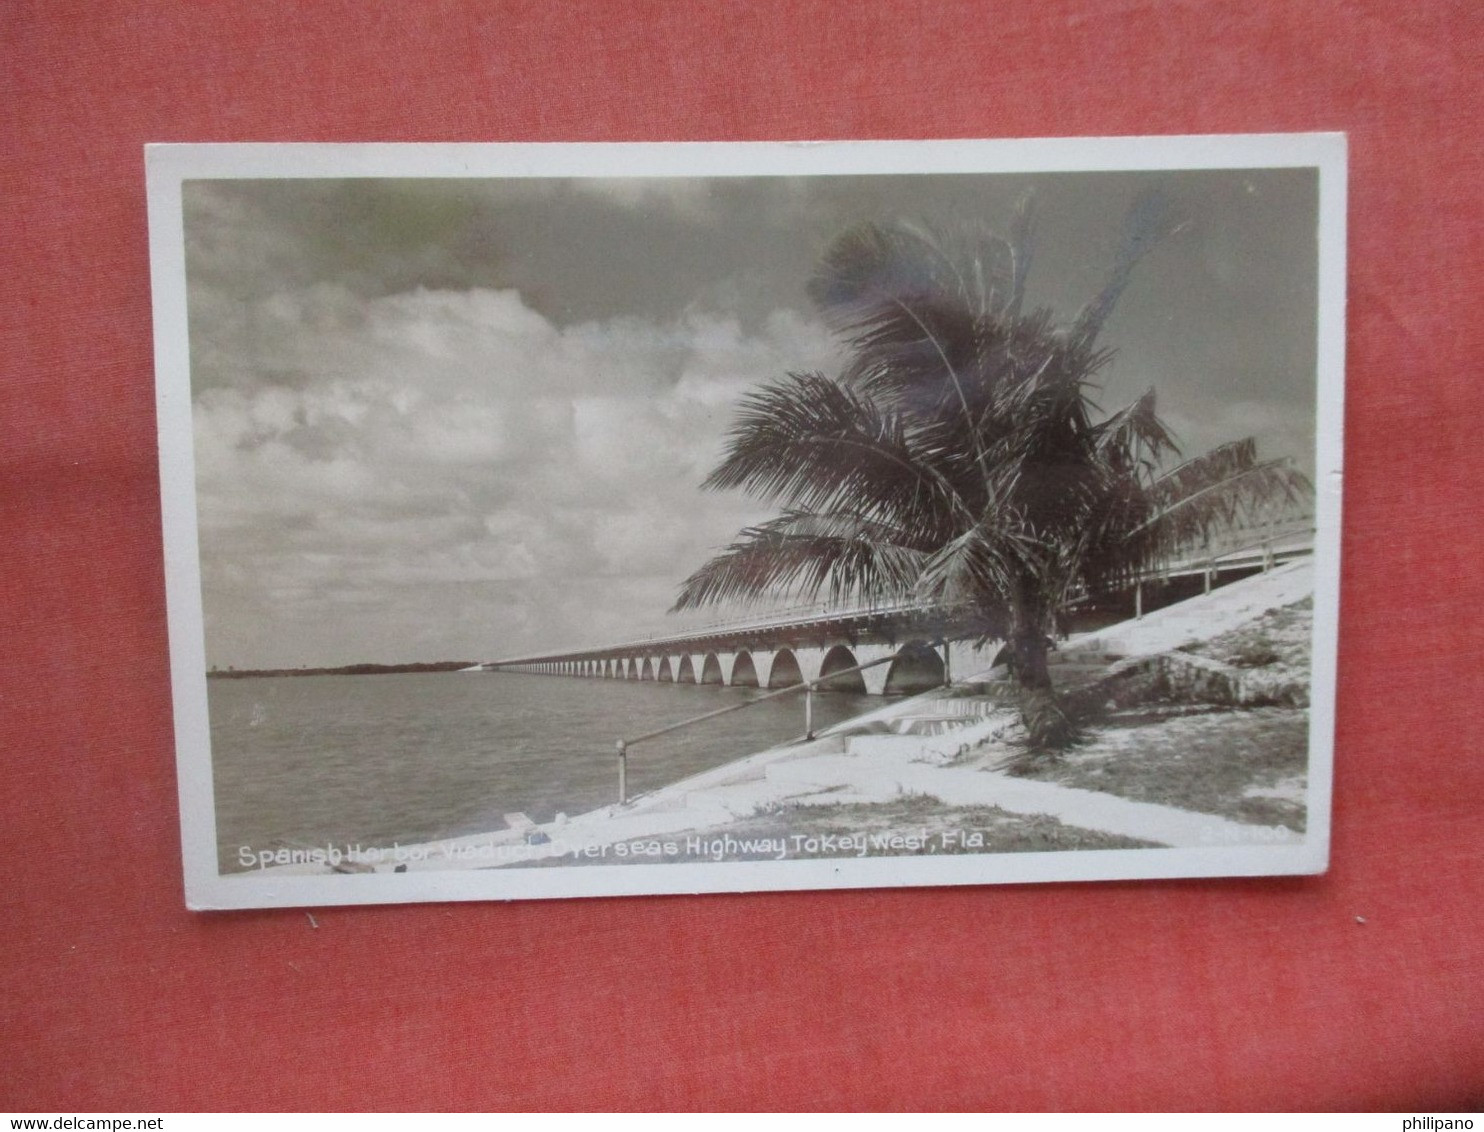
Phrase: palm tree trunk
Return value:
(1046, 723)
(1028, 653)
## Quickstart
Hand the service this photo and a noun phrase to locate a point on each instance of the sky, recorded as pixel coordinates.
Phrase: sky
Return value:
(468, 419)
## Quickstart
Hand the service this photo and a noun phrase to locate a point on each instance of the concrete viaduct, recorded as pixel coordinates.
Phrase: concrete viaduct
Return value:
(785, 650)
(931, 643)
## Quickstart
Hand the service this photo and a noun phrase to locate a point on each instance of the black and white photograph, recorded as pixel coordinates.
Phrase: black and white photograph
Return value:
(588, 520)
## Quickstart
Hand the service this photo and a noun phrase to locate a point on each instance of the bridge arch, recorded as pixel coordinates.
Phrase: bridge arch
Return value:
(836, 660)
(687, 673)
(711, 670)
(917, 668)
(785, 672)
(665, 675)
(646, 670)
(744, 672)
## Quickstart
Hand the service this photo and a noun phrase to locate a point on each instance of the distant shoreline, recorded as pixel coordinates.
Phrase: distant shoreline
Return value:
(342, 670)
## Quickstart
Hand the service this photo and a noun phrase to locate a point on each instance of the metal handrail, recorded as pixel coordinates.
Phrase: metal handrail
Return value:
(807, 687)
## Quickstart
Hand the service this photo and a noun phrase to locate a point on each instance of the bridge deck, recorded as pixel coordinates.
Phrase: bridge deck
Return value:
(884, 621)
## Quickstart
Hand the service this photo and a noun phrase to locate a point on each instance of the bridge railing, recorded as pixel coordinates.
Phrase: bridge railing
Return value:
(1213, 558)
(1229, 554)
(1191, 560)
(789, 615)
(807, 687)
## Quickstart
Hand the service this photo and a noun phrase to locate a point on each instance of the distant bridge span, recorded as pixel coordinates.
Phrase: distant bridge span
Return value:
(930, 642)
(779, 650)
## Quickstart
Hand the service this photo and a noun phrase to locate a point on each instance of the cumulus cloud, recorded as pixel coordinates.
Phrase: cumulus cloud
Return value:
(356, 456)
(442, 418)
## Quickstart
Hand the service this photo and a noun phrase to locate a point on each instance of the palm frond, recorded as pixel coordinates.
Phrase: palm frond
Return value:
(1135, 437)
(871, 270)
(1228, 487)
(1150, 219)
(1022, 228)
(916, 308)
(814, 445)
(979, 566)
(803, 554)
(1211, 467)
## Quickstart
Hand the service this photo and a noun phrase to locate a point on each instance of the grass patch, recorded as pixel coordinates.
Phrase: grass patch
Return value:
(1247, 765)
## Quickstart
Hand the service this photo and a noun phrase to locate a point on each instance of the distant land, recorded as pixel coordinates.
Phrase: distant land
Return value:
(343, 670)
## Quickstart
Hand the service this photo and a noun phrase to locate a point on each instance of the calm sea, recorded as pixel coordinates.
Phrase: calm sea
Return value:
(373, 760)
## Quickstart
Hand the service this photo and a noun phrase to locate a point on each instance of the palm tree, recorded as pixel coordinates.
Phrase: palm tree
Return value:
(959, 455)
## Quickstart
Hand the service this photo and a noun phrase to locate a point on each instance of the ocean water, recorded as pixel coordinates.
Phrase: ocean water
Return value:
(373, 760)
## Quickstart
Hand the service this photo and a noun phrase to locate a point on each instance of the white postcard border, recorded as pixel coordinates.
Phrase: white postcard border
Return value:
(169, 165)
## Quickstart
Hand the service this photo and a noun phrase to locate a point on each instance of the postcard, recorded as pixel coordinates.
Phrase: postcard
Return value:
(588, 520)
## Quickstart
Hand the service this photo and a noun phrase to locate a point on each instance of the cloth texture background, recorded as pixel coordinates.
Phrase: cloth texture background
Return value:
(1190, 994)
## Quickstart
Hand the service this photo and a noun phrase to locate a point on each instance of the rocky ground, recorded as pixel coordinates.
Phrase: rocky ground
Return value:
(1247, 765)
(1278, 643)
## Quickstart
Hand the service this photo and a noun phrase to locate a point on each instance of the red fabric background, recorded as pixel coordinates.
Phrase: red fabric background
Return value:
(1178, 994)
